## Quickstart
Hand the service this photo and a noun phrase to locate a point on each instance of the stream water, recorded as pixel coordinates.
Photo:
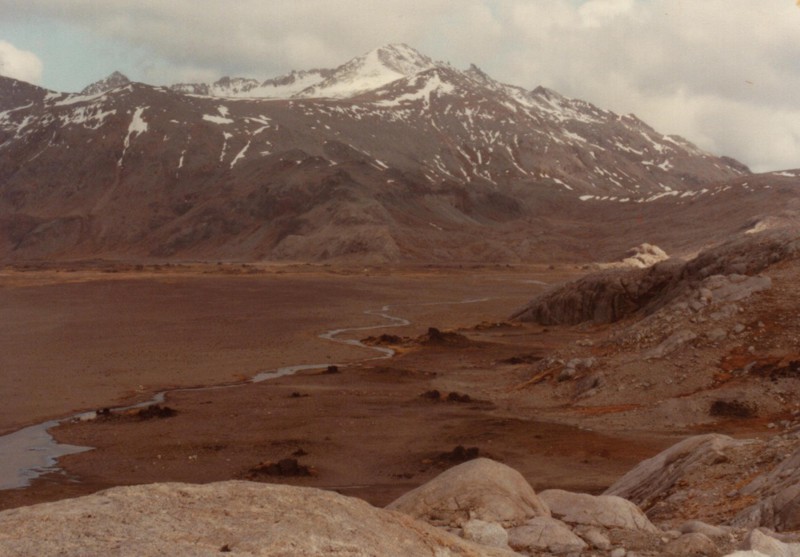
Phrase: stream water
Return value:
(31, 452)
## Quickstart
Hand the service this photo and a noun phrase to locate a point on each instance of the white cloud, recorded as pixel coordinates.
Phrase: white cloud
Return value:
(19, 64)
(674, 63)
(719, 72)
(596, 13)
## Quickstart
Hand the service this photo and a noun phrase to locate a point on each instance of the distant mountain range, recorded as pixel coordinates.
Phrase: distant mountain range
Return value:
(389, 157)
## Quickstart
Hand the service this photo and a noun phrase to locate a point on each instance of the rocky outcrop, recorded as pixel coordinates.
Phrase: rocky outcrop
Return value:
(654, 479)
(720, 275)
(603, 297)
(237, 518)
(479, 489)
(778, 493)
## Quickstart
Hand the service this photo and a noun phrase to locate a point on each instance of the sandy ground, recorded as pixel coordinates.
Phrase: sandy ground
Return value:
(85, 339)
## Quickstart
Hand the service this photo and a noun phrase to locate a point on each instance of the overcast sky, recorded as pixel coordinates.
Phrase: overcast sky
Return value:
(725, 74)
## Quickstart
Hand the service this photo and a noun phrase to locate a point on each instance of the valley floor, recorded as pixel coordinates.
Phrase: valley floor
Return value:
(87, 338)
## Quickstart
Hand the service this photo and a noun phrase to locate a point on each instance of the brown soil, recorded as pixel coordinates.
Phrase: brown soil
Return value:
(88, 339)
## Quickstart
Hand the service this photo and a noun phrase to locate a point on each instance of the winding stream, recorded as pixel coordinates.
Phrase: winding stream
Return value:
(31, 452)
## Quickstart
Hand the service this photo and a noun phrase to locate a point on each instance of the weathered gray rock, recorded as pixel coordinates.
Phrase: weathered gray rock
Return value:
(694, 544)
(545, 534)
(735, 287)
(651, 479)
(594, 536)
(234, 518)
(602, 298)
(700, 527)
(485, 533)
(574, 365)
(670, 344)
(608, 511)
(479, 489)
(757, 540)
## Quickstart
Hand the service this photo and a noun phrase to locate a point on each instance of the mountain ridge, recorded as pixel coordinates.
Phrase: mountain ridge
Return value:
(438, 164)
(360, 74)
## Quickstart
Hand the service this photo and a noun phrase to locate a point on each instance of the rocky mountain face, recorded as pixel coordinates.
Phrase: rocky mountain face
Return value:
(113, 81)
(390, 156)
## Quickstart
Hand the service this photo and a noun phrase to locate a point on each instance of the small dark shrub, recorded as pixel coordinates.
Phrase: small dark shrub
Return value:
(733, 409)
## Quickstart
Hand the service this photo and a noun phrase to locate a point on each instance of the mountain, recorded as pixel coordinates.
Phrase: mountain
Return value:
(364, 73)
(113, 81)
(390, 156)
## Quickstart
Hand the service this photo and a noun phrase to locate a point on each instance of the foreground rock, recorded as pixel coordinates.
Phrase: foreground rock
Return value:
(545, 534)
(482, 508)
(235, 518)
(479, 489)
(608, 511)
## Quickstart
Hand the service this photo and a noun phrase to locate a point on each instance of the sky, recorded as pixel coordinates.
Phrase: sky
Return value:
(724, 74)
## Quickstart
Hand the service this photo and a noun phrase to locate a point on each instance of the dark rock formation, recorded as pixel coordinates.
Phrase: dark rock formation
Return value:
(609, 296)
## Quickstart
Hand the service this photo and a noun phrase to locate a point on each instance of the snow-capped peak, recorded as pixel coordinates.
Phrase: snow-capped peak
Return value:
(374, 69)
(402, 59)
(113, 81)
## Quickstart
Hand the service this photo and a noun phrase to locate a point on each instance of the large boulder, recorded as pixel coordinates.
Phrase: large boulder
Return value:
(479, 489)
(654, 478)
(608, 511)
(235, 518)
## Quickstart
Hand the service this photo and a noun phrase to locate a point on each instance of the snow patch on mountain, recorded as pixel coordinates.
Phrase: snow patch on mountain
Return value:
(240, 155)
(91, 116)
(217, 119)
(374, 69)
(71, 99)
(426, 86)
(289, 85)
(136, 127)
(787, 174)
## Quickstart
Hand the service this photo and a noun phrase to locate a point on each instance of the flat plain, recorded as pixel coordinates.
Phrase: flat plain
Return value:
(91, 337)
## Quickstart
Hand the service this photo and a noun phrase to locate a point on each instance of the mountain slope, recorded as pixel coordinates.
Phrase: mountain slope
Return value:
(429, 163)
